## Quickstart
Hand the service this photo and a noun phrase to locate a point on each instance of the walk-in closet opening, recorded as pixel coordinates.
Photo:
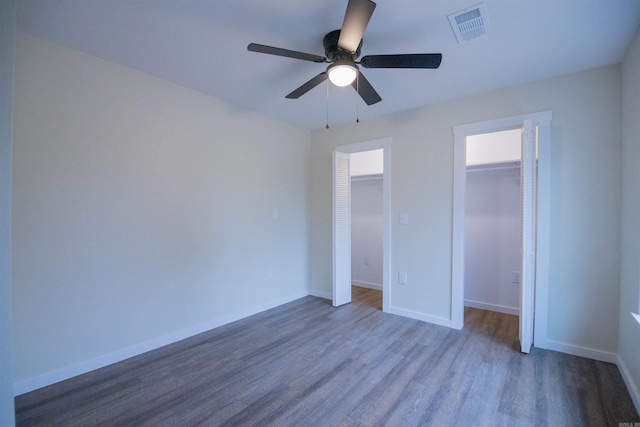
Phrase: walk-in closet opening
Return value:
(535, 144)
(367, 187)
(361, 242)
(492, 222)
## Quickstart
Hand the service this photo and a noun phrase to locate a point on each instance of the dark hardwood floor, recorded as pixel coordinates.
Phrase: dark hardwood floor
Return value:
(309, 364)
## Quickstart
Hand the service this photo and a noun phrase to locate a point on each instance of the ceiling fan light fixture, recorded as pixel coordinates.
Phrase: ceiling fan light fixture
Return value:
(342, 73)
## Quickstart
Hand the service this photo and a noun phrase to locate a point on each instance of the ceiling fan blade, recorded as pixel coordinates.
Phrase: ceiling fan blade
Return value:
(356, 19)
(366, 91)
(308, 86)
(260, 48)
(415, 60)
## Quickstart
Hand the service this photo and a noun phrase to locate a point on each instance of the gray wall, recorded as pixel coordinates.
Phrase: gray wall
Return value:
(492, 238)
(143, 212)
(366, 232)
(7, 26)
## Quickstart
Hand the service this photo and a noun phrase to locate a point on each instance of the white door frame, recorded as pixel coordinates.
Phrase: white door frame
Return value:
(543, 121)
(528, 206)
(385, 144)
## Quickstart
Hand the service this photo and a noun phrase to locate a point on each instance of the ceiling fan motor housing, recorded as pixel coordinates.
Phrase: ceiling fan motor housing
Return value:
(335, 53)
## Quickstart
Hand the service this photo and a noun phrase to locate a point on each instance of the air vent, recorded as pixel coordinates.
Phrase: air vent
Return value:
(469, 23)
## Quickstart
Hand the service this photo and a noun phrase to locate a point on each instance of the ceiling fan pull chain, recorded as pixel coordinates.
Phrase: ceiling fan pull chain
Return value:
(357, 94)
(327, 104)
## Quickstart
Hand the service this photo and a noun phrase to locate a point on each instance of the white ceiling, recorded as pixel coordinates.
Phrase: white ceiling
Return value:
(202, 45)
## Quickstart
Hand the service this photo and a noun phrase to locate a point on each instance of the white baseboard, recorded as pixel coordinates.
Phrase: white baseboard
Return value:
(368, 285)
(633, 388)
(30, 384)
(589, 353)
(492, 307)
(321, 294)
(441, 321)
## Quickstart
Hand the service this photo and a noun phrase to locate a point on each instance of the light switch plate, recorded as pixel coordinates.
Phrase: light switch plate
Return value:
(404, 218)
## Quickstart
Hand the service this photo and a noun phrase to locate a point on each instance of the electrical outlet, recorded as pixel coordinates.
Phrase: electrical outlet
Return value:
(270, 273)
(402, 277)
(366, 260)
(404, 218)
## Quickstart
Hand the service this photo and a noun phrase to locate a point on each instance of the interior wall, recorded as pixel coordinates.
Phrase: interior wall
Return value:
(7, 39)
(585, 199)
(630, 272)
(144, 212)
(367, 232)
(493, 147)
(492, 239)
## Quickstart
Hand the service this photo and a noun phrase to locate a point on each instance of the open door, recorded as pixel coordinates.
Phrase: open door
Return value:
(341, 229)
(528, 195)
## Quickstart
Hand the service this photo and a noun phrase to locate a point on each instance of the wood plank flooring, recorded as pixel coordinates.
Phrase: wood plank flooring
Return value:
(309, 364)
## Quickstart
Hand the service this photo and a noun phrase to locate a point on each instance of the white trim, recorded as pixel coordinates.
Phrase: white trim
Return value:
(528, 220)
(386, 214)
(543, 120)
(492, 307)
(632, 387)
(358, 147)
(576, 350)
(368, 285)
(30, 384)
(543, 249)
(457, 237)
(498, 125)
(441, 321)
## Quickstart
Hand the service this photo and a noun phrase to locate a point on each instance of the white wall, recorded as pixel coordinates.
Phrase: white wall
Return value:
(585, 200)
(492, 239)
(366, 162)
(366, 232)
(629, 349)
(7, 39)
(494, 147)
(143, 212)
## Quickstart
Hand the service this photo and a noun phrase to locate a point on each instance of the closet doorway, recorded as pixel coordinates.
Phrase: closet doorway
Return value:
(343, 257)
(367, 225)
(535, 199)
(492, 222)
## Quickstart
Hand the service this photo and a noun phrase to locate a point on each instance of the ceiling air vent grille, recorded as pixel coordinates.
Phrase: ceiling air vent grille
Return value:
(469, 23)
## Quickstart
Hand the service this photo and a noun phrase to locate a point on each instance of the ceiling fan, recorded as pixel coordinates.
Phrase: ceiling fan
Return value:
(342, 48)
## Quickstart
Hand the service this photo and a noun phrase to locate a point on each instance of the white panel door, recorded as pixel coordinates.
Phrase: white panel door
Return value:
(341, 229)
(528, 172)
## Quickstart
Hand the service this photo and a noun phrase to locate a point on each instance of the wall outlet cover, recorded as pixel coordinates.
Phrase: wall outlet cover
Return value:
(404, 218)
(402, 278)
